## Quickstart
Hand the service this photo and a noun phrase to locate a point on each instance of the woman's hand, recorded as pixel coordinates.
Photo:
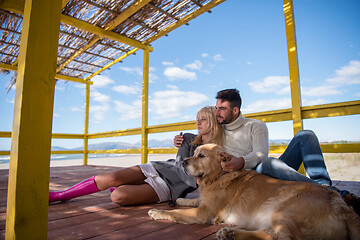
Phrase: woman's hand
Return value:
(178, 140)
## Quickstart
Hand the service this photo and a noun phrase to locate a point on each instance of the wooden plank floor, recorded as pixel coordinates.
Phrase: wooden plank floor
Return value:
(96, 217)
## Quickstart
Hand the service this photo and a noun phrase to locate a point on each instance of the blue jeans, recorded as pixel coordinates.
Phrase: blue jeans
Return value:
(303, 148)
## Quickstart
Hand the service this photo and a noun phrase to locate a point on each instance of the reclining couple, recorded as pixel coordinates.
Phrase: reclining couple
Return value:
(245, 139)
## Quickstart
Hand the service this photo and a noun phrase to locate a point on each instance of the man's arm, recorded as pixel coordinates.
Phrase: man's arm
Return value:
(260, 143)
(234, 164)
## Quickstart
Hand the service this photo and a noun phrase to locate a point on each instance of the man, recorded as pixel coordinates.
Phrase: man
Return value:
(247, 141)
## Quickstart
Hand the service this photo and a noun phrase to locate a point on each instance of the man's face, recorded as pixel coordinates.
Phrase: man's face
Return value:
(224, 112)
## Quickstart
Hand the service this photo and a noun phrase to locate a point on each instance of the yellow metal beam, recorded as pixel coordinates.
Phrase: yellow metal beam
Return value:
(68, 136)
(16, 6)
(184, 20)
(103, 33)
(132, 51)
(73, 79)
(145, 112)
(5, 134)
(331, 110)
(127, 13)
(172, 127)
(29, 172)
(57, 76)
(119, 19)
(293, 65)
(118, 133)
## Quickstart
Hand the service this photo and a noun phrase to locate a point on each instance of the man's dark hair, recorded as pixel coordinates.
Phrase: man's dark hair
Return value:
(230, 95)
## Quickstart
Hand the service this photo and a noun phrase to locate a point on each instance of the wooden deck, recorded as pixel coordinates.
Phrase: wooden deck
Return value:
(96, 217)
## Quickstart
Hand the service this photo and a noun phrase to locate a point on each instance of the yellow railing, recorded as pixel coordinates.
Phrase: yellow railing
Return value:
(309, 112)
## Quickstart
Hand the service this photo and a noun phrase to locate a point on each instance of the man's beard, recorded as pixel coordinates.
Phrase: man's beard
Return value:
(225, 120)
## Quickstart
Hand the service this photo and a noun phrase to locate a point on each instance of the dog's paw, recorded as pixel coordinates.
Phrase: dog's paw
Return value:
(225, 234)
(156, 214)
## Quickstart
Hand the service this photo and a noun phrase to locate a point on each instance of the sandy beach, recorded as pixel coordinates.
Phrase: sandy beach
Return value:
(343, 167)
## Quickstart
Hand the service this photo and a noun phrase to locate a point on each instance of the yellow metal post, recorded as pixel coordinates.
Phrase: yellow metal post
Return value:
(29, 170)
(293, 69)
(145, 100)
(86, 124)
(293, 65)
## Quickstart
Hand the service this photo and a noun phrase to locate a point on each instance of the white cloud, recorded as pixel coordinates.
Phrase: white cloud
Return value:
(129, 111)
(139, 71)
(204, 55)
(127, 89)
(275, 84)
(172, 87)
(10, 101)
(99, 97)
(172, 103)
(347, 75)
(101, 81)
(56, 115)
(167, 63)
(196, 65)
(325, 90)
(218, 57)
(98, 112)
(306, 102)
(175, 73)
(76, 109)
(267, 105)
(136, 70)
(249, 63)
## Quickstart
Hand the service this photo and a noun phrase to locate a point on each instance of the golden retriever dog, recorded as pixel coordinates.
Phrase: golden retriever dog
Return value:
(260, 207)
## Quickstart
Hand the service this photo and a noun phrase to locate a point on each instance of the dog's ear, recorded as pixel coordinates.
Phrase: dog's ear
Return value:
(223, 156)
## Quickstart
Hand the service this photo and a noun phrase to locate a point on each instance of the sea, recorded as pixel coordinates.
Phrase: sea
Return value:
(61, 157)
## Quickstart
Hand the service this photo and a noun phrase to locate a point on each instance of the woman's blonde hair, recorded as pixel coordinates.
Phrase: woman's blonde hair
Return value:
(217, 136)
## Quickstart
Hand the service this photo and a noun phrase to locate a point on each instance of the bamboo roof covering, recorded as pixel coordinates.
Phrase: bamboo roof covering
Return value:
(95, 34)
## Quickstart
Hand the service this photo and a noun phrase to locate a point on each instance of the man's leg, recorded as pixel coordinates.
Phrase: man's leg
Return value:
(305, 148)
(277, 168)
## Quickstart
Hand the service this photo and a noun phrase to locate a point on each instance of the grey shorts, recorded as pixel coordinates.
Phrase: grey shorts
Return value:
(155, 181)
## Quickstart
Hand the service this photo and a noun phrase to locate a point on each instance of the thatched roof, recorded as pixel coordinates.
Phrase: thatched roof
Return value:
(90, 30)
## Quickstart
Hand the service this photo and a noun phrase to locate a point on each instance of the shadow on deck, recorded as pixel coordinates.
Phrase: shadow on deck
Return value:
(96, 217)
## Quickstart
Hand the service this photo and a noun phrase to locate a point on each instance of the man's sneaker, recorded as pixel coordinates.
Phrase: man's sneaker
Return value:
(351, 199)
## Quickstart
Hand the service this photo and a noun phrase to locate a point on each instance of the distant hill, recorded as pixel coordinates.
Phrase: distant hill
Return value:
(279, 141)
(160, 144)
(120, 145)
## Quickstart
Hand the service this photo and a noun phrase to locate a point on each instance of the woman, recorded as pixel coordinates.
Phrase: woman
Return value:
(157, 181)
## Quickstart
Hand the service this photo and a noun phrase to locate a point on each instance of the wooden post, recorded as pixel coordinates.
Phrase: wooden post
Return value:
(293, 69)
(29, 170)
(145, 100)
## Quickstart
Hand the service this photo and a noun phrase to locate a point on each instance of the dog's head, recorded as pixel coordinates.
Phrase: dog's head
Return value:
(205, 165)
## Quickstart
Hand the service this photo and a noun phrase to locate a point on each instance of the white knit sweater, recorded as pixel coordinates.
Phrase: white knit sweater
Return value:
(247, 138)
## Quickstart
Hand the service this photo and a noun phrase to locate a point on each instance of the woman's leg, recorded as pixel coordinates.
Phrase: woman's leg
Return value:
(125, 176)
(134, 194)
(131, 175)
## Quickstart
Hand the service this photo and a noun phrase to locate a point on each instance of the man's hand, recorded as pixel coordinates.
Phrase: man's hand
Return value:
(178, 140)
(234, 164)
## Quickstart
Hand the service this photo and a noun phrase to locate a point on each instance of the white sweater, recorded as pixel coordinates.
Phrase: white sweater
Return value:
(247, 138)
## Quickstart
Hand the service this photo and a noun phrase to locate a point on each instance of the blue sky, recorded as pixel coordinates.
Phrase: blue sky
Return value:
(241, 44)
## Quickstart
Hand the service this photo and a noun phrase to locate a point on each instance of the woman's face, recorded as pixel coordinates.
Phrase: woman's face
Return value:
(203, 124)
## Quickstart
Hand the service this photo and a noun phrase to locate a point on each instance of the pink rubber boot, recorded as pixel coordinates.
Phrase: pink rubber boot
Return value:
(85, 187)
